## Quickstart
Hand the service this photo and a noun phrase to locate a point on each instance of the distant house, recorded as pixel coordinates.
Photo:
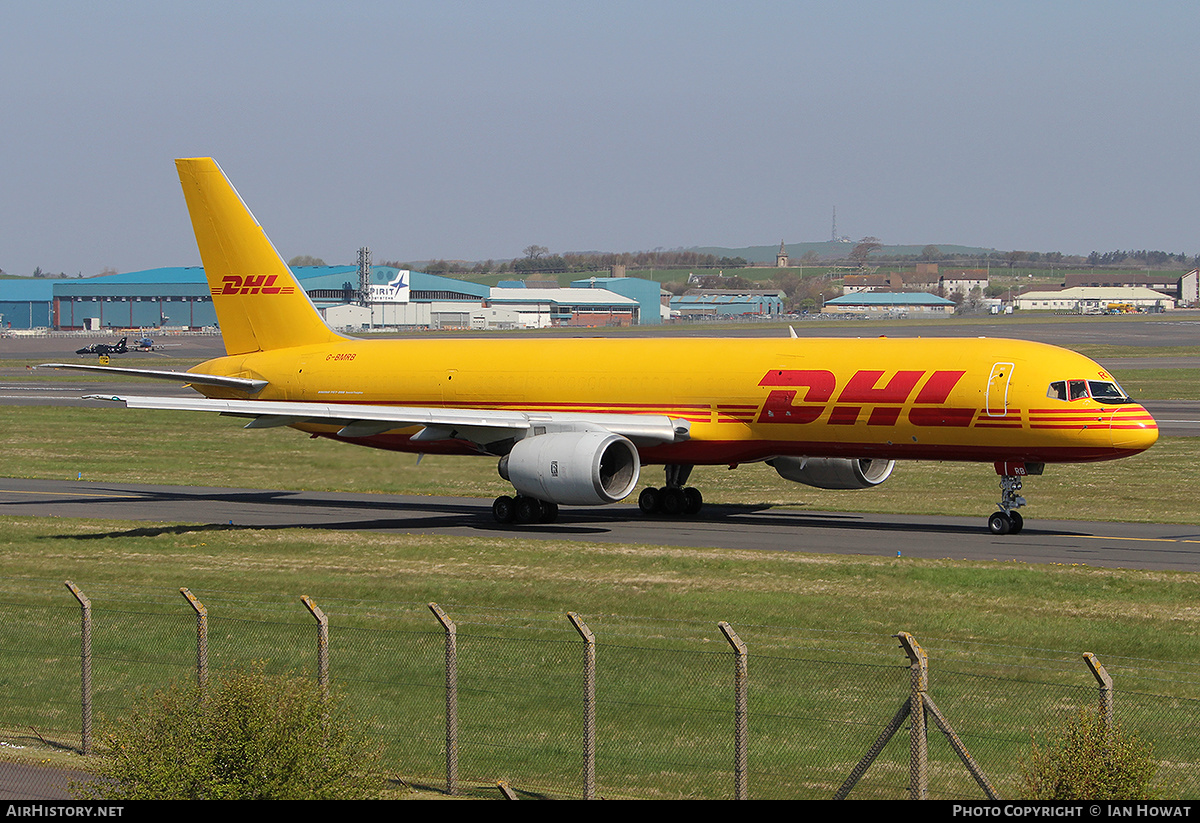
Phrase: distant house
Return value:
(962, 281)
(925, 278)
(885, 281)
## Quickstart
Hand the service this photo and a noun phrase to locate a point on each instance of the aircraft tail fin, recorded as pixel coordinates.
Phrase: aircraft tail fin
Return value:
(259, 303)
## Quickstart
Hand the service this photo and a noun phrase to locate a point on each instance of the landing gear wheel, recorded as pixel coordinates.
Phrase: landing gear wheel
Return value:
(694, 501)
(504, 509)
(648, 501)
(528, 510)
(549, 512)
(673, 502)
(1008, 520)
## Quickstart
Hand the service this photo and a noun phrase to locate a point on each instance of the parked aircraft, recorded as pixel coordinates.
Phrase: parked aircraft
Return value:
(574, 421)
(105, 349)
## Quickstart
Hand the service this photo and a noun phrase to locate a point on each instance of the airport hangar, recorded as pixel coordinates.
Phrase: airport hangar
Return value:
(920, 304)
(24, 303)
(178, 298)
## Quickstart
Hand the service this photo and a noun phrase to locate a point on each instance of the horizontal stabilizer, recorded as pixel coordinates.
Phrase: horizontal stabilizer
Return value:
(241, 383)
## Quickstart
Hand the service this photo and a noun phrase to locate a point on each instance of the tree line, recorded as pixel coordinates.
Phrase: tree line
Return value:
(538, 260)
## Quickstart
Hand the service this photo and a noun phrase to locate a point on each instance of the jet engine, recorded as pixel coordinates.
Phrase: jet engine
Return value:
(833, 472)
(588, 468)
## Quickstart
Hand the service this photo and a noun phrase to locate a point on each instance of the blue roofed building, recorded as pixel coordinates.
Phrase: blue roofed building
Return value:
(173, 296)
(25, 302)
(178, 297)
(647, 293)
(891, 303)
(758, 304)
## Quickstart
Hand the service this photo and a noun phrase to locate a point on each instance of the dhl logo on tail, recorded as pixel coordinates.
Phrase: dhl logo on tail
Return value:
(253, 284)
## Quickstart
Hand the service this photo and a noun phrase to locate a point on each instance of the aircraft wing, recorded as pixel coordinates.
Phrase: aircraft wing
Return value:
(480, 426)
(243, 383)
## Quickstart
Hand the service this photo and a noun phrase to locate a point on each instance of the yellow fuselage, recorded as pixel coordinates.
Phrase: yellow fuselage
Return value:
(746, 399)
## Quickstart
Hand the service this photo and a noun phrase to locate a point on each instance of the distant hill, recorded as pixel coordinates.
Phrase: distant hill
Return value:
(831, 250)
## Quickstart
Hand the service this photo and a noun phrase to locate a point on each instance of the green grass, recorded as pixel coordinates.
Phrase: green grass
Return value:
(1004, 641)
(1103, 351)
(1161, 384)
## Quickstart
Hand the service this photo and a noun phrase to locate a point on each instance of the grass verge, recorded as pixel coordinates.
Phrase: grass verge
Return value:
(1005, 643)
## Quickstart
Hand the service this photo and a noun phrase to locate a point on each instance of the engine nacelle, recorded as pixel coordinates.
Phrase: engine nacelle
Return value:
(588, 468)
(833, 472)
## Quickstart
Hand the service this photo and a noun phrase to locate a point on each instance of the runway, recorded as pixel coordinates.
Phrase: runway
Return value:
(198, 509)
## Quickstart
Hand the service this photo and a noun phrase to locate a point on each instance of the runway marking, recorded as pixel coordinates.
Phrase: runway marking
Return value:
(1140, 539)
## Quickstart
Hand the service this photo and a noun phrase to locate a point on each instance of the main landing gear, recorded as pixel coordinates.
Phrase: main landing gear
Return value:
(1008, 520)
(675, 499)
(523, 510)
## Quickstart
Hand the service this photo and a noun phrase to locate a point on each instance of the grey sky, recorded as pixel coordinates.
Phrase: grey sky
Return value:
(473, 129)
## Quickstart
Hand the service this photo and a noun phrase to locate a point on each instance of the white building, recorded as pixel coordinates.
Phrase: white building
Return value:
(962, 281)
(1093, 299)
(541, 308)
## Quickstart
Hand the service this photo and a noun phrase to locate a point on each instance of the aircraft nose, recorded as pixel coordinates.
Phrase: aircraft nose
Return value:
(1133, 428)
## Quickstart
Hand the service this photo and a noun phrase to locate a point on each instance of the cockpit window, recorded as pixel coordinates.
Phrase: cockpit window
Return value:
(1105, 392)
(1102, 391)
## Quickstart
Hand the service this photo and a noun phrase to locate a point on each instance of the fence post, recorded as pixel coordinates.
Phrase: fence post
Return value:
(918, 752)
(589, 705)
(451, 697)
(741, 732)
(85, 667)
(1106, 689)
(322, 643)
(201, 640)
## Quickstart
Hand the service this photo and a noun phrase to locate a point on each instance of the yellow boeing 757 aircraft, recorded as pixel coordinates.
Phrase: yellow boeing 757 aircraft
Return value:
(573, 421)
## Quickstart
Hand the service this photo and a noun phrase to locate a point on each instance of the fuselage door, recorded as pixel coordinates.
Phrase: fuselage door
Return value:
(997, 389)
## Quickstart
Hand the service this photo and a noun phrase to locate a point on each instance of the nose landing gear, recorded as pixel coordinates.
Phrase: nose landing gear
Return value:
(1008, 520)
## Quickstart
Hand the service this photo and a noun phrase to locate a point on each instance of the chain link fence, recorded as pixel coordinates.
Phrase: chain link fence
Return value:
(461, 699)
